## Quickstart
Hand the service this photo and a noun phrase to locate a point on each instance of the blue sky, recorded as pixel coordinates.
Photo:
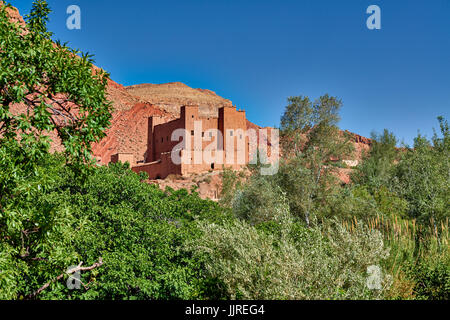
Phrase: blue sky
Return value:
(258, 53)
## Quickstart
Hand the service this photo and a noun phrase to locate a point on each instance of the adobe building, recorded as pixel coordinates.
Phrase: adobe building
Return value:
(230, 147)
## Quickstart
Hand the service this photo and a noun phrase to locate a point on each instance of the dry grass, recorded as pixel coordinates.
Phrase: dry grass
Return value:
(409, 242)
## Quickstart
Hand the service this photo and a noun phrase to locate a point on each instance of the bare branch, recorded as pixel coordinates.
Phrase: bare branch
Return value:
(70, 271)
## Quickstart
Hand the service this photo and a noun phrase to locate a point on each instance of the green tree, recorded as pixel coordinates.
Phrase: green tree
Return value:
(422, 177)
(376, 169)
(313, 146)
(303, 114)
(56, 89)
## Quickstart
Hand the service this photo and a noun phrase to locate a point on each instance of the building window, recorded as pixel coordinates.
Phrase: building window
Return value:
(192, 116)
(210, 134)
(162, 140)
(231, 133)
(203, 134)
(192, 132)
(240, 137)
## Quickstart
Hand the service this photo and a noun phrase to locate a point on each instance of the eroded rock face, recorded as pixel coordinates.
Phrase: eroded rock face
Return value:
(362, 145)
(127, 133)
(171, 96)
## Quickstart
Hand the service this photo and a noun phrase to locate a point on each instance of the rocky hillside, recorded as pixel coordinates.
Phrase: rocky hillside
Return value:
(128, 130)
(171, 96)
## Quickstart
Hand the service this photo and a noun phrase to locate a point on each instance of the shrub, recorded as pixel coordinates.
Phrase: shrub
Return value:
(299, 264)
(260, 201)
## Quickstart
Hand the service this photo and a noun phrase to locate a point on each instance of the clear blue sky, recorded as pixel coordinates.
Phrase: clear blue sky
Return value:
(257, 53)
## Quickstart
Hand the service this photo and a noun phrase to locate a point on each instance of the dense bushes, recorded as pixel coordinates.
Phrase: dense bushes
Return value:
(169, 245)
(137, 230)
(260, 201)
(173, 245)
(418, 175)
(431, 278)
(409, 189)
(402, 194)
(269, 253)
(296, 263)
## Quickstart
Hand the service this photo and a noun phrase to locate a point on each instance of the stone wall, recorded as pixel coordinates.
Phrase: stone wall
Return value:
(159, 169)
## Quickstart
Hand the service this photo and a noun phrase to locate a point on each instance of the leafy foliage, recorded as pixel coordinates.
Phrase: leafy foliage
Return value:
(423, 177)
(297, 263)
(58, 90)
(419, 175)
(313, 147)
(376, 169)
(260, 201)
(431, 278)
(137, 229)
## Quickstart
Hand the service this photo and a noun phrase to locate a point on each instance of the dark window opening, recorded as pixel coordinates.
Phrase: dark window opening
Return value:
(231, 133)
(212, 166)
(192, 132)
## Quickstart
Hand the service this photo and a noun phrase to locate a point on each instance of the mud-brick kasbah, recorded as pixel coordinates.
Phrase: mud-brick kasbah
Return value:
(230, 124)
